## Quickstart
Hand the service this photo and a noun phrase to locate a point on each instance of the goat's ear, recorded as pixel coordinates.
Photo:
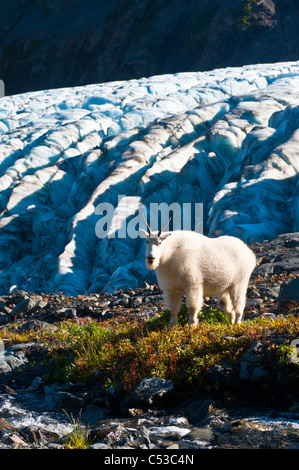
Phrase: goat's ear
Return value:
(164, 235)
(146, 235)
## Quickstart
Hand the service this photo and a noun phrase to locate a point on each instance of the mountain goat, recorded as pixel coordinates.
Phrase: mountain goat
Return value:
(188, 263)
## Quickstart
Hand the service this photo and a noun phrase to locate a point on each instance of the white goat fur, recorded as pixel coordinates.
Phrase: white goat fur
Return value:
(192, 264)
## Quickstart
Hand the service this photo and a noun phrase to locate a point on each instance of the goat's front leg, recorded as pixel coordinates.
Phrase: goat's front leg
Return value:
(194, 302)
(173, 302)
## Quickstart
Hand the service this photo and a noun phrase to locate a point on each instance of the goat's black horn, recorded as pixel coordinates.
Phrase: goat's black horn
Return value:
(160, 231)
(148, 229)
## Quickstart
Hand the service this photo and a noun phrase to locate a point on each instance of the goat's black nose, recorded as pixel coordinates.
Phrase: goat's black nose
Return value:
(150, 258)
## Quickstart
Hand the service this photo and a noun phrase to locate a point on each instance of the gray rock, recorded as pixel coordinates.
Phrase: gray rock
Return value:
(124, 301)
(284, 263)
(256, 347)
(18, 295)
(113, 400)
(253, 372)
(252, 357)
(140, 438)
(65, 313)
(99, 445)
(117, 436)
(252, 294)
(12, 359)
(34, 325)
(273, 292)
(289, 292)
(36, 297)
(103, 304)
(150, 391)
(172, 447)
(4, 318)
(54, 445)
(244, 372)
(24, 306)
(200, 434)
(136, 302)
(102, 431)
(3, 306)
(41, 304)
(14, 440)
(70, 402)
(198, 410)
(289, 240)
(263, 270)
(92, 415)
(259, 374)
(4, 425)
(220, 374)
(37, 385)
(254, 303)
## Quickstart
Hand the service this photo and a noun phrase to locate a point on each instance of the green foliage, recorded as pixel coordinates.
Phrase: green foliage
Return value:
(121, 353)
(288, 355)
(78, 438)
(126, 353)
(211, 315)
(244, 17)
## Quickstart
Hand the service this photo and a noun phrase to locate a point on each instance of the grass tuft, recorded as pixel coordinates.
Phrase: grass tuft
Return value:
(78, 437)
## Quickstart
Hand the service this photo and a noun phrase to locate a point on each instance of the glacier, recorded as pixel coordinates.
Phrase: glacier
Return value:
(227, 138)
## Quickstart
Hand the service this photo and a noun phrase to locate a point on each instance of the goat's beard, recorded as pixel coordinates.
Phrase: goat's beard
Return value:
(152, 265)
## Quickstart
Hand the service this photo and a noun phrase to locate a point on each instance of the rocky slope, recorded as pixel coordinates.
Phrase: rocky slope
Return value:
(246, 415)
(51, 44)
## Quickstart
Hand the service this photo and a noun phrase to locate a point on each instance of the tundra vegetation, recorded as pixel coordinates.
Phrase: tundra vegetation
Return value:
(121, 353)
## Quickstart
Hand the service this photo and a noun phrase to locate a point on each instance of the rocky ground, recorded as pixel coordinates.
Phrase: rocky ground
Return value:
(273, 290)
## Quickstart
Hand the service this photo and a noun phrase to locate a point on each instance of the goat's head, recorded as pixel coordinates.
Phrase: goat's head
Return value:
(154, 246)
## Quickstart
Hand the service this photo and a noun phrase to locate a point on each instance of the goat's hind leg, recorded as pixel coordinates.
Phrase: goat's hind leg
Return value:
(228, 305)
(238, 297)
(239, 308)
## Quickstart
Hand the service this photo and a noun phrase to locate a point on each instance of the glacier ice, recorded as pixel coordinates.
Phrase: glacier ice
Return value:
(227, 138)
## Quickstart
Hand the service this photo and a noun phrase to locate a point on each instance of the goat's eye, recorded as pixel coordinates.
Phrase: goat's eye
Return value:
(159, 242)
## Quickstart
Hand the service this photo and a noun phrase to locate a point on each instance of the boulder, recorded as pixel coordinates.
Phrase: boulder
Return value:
(14, 358)
(288, 294)
(35, 325)
(151, 391)
(200, 434)
(197, 410)
(24, 306)
(37, 385)
(70, 402)
(4, 318)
